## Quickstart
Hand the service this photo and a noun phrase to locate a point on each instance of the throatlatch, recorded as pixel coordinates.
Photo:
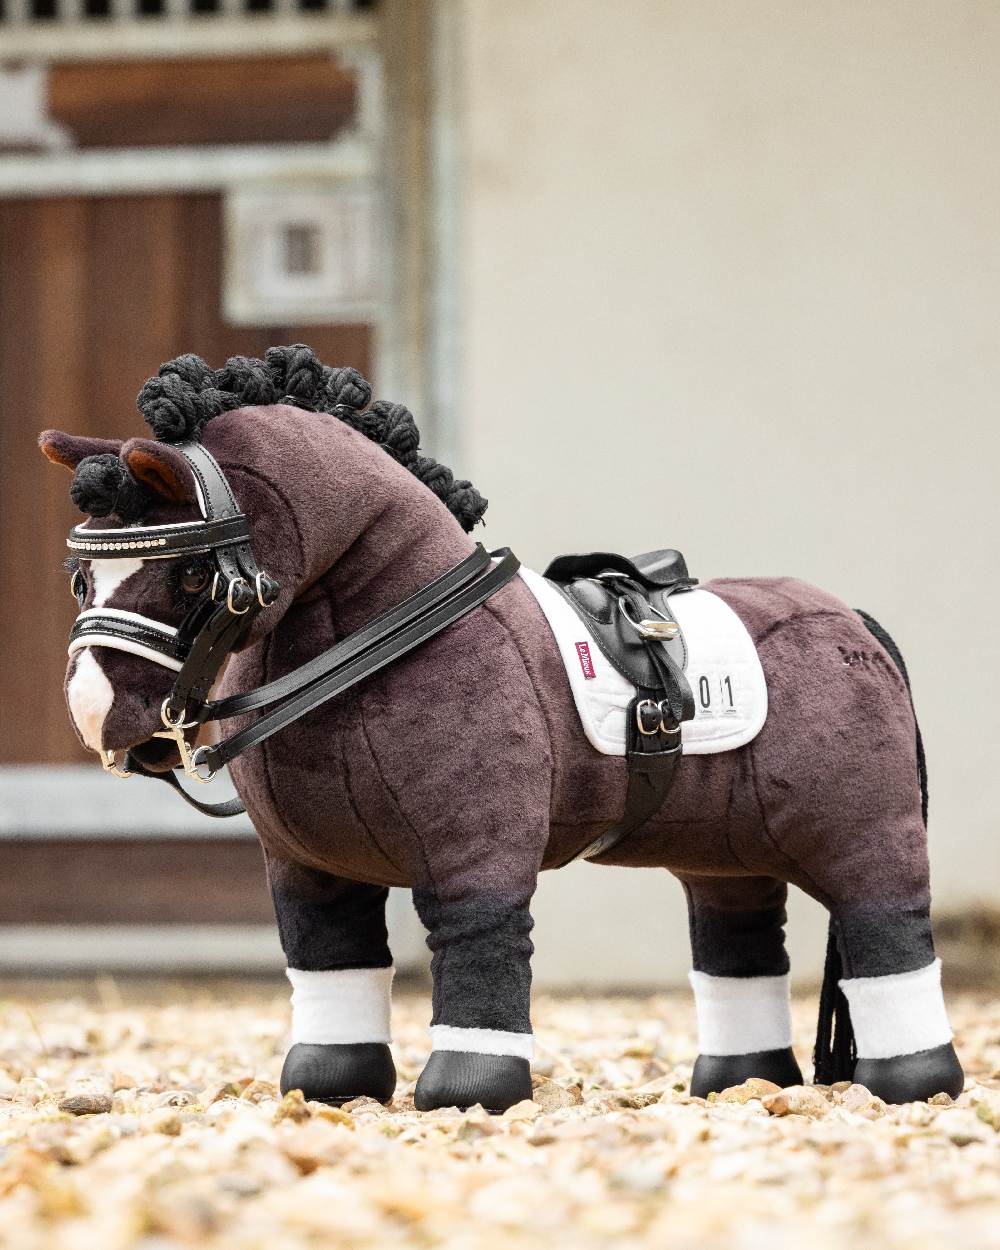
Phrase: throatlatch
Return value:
(611, 593)
(221, 618)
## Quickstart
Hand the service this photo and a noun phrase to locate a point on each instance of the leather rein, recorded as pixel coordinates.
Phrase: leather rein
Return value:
(221, 618)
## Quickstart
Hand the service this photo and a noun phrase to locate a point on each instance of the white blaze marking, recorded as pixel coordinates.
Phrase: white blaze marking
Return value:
(107, 575)
(89, 693)
(90, 696)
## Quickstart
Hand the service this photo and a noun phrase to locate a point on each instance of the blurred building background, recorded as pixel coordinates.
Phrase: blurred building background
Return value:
(717, 275)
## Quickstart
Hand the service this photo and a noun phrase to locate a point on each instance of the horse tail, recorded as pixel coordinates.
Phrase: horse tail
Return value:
(835, 1053)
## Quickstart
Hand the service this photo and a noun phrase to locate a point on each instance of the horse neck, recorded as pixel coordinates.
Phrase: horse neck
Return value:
(402, 549)
(368, 531)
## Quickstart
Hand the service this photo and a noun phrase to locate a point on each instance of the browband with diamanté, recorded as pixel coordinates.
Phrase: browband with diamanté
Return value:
(158, 541)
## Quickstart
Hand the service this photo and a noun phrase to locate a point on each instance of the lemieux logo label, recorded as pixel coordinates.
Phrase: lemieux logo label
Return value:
(586, 663)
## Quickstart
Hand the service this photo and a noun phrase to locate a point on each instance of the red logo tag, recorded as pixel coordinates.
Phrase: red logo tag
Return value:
(586, 663)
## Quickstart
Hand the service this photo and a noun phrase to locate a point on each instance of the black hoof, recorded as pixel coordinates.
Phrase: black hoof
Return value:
(912, 1078)
(455, 1078)
(338, 1073)
(714, 1073)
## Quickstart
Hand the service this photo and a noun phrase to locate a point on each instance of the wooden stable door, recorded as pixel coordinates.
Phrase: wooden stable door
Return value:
(95, 292)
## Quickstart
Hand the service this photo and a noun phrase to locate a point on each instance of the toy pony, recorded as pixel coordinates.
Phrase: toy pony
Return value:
(489, 723)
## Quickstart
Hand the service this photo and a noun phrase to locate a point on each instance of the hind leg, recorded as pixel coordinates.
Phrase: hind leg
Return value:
(836, 777)
(892, 982)
(740, 982)
(334, 937)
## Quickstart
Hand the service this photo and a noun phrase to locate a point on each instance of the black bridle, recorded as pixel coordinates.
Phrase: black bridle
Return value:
(222, 616)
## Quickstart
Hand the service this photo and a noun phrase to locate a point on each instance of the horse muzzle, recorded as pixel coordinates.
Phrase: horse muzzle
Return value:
(163, 751)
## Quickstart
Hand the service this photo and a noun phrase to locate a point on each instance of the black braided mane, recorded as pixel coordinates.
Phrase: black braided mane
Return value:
(186, 394)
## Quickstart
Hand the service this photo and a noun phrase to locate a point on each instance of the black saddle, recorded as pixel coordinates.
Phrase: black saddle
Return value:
(625, 605)
(614, 596)
(655, 570)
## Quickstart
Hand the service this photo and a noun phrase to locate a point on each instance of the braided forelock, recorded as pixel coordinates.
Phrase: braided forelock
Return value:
(102, 484)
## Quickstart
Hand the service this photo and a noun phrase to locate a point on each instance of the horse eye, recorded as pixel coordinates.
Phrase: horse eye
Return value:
(194, 579)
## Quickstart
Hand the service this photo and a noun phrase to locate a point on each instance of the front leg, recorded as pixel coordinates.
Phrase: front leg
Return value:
(481, 1040)
(334, 937)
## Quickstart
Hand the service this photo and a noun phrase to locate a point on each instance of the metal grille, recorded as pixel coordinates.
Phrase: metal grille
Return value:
(62, 13)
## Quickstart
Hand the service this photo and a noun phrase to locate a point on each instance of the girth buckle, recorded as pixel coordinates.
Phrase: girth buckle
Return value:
(652, 718)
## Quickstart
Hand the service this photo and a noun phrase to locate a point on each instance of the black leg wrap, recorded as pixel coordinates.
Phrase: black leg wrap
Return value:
(337, 1073)
(326, 923)
(481, 961)
(714, 1073)
(454, 1078)
(738, 943)
(912, 1078)
(879, 943)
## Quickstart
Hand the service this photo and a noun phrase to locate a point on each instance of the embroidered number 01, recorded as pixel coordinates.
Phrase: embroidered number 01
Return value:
(726, 700)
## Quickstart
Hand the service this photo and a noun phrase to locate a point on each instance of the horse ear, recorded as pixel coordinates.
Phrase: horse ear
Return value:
(162, 468)
(69, 449)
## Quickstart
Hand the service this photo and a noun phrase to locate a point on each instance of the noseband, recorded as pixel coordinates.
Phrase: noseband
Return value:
(221, 619)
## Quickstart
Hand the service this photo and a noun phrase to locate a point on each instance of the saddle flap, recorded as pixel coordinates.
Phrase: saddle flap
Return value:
(654, 570)
(598, 606)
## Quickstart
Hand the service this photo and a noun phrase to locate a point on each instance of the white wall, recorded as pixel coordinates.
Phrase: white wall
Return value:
(731, 282)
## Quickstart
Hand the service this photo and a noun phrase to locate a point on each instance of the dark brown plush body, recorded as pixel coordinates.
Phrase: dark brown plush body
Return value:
(464, 766)
(462, 770)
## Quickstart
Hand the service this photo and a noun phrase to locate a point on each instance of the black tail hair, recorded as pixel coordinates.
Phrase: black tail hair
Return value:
(836, 1052)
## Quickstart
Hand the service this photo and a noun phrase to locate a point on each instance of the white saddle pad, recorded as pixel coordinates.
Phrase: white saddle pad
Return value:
(723, 668)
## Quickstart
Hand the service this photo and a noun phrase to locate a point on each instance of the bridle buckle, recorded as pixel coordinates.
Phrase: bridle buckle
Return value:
(174, 731)
(237, 584)
(109, 762)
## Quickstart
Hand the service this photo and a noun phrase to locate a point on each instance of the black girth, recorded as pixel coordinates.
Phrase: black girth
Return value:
(220, 620)
(617, 600)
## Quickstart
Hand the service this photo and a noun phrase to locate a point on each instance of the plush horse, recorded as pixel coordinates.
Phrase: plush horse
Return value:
(462, 769)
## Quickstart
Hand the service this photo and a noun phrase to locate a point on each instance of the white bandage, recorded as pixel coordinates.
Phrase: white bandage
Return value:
(898, 1014)
(482, 1041)
(741, 1015)
(352, 1005)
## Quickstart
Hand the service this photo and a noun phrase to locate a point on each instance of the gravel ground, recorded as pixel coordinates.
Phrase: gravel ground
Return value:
(154, 1121)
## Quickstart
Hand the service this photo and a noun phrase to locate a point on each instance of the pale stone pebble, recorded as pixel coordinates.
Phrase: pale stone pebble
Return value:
(797, 1100)
(164, 1120)
(860, 1101)
(551, 1096)
(756, 1087)
(526, 1110)
(292, 1107)
(198, 1148)
(90, 1096)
